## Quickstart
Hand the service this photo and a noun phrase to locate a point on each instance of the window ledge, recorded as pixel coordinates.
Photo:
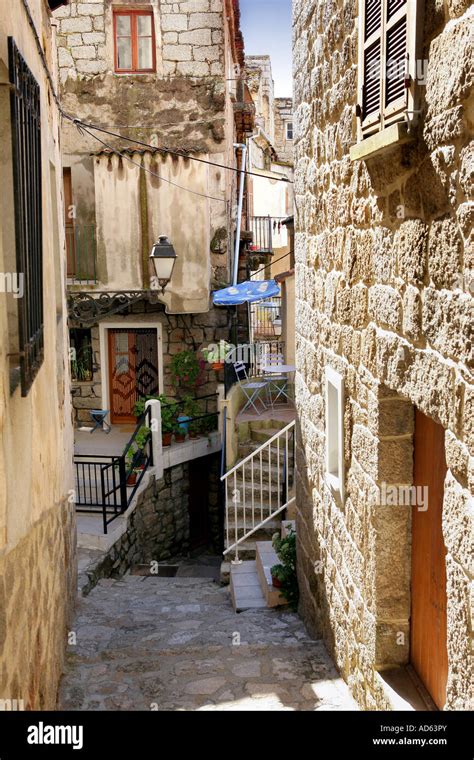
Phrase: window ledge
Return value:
(390, 137)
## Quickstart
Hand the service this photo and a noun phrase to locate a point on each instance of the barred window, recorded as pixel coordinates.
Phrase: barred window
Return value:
(26, 155)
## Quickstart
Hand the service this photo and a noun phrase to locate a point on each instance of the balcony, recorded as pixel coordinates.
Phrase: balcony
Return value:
(268, 234)
(81, 251)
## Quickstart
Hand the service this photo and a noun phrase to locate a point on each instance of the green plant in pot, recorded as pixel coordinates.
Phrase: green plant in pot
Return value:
(141, 440)
(131, 466)
(167, 424)
(179, 432)
(284, 574)
(185, 369)
(191, 409)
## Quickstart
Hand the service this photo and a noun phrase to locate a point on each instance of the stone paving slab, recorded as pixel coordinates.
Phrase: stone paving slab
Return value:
(176, 644)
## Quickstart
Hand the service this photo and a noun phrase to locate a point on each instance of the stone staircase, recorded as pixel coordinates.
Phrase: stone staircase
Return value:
(251, 585)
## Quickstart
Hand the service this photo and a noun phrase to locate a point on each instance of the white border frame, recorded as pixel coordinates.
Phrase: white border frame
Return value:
(335, 483)
(104, 352)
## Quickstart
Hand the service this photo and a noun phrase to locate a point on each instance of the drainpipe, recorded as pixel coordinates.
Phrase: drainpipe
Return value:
(239, 210)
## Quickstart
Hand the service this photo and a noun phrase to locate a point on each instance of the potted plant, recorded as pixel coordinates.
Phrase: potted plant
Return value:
(194, 428)
(191, 410)
(167, 424)
(132, 471)
(141, 440)
(278, 575)
(179, 433)
(185, 369)
(284, 574)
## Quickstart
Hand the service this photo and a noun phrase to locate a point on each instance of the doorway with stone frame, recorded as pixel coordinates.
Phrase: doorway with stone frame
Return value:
(411, 638)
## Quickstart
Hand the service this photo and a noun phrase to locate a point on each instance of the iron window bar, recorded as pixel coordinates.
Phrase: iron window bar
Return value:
(26, 154)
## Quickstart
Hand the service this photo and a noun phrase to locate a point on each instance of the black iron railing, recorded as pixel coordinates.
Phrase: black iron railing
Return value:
(198, 414)
(265, 319)
(106, 484)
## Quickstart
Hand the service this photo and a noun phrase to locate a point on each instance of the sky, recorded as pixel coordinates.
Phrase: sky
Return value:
(266, 26)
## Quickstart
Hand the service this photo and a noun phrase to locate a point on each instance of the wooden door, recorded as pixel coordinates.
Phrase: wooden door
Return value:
(428, 651)
(122, 376)
(133, 371)
(69, 224)
(198, 503)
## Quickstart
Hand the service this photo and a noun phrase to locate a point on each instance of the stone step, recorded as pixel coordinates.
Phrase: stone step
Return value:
(256, 488)
(271, 525)
(245, 590)
(244, 448)
(266, 557)
(262, 435)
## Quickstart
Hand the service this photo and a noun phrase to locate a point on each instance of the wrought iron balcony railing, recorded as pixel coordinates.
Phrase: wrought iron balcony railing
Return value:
(268, 233)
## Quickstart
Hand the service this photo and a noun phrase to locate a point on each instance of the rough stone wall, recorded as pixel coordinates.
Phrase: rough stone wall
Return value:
(158, 528)
(384, 263)
(258, 72)
(283, 115)
(37, 593)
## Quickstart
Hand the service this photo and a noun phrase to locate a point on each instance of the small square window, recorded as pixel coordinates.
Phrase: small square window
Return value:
(335, 431)
(134, 37)
(289, 130)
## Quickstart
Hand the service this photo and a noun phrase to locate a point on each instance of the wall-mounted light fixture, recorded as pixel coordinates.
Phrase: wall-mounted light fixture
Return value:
(164, 258)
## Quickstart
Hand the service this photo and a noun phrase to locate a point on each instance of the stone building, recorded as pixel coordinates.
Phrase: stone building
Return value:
(166, 75)
(384, 320)
(37, 522)
(284, 129)
(163, 81)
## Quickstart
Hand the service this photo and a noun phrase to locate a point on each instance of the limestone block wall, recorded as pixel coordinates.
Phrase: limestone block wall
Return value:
(37, 596)
(189, 37)
(384, 265)
(283, 114)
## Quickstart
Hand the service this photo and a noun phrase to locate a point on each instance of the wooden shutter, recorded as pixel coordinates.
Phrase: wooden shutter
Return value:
(371, 49)
(395, 59)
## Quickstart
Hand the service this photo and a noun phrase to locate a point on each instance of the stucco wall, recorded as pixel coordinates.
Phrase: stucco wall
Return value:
(384, 254)
(37, 525)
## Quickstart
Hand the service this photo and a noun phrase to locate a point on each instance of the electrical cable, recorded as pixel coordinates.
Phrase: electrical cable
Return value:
(180, 154)
(149, 171)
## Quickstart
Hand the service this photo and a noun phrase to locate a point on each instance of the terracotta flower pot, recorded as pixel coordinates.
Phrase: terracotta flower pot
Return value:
(217, 366)
(179, 437)
(132, 479)
(166, 439)
(276, 582)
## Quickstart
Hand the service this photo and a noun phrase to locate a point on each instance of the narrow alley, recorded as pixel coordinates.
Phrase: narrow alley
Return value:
(151, 643)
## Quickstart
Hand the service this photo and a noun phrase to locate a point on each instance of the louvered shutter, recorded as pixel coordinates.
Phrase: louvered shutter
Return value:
(371, 32)
(395, 59)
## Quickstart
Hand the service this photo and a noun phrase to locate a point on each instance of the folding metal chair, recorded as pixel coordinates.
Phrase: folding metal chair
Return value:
(250, 388)
(98, 418)
(275, 377)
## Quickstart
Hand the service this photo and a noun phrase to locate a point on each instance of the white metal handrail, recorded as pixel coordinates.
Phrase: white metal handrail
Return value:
(254, 499)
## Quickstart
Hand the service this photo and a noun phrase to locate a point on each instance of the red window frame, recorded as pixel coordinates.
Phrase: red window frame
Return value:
(133, 13)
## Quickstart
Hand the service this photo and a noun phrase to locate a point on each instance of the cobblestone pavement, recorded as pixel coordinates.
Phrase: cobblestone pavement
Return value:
(176, 644)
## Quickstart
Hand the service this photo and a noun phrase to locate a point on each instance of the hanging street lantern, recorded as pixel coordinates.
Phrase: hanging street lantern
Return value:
(164, 258)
